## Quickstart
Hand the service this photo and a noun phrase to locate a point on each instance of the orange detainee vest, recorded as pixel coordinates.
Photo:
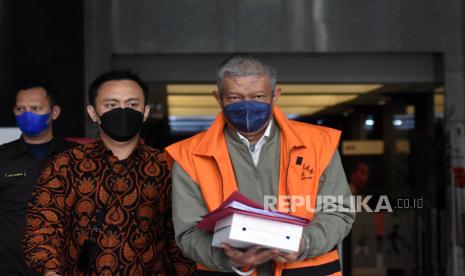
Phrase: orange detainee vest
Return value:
(305, 152)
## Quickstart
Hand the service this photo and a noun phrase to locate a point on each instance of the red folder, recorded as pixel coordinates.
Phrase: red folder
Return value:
(209, 220)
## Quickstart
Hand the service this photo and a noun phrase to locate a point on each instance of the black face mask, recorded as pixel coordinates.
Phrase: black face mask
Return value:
(122, 124)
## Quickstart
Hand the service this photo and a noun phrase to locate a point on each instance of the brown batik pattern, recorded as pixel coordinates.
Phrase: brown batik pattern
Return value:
(137, 236)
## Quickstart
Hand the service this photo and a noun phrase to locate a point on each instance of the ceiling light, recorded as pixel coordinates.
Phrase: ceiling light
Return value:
(369, 122)
(397, 122)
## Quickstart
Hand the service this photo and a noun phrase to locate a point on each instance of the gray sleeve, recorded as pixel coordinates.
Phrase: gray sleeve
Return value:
(188, 207)
(328, 228)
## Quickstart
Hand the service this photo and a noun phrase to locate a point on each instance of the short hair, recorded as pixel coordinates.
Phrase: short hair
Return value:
(47, 86)
(241, 65)
(115, 75)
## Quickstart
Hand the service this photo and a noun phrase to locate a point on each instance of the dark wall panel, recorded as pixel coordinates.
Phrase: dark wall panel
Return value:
(316, 68)
(211, 26)
(45, 41)
(5, 99)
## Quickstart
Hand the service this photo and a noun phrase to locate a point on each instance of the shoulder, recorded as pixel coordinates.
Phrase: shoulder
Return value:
(7, 148)
(322, 140)
(61, 159)
(72, 154)
(56, 166)
(13, 150)
(188, 144)
(10, 144)
(64, 144)
(61, 145)
(153, 154)
(153, 162)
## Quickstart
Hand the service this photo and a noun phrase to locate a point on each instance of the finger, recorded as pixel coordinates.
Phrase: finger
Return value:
(287, 255)
(253, 250)
(280, 259)
(232, 252)
(265, 256)
(283, 253)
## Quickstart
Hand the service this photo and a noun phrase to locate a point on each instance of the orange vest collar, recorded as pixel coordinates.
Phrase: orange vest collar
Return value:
(292, 140)
(213, 136)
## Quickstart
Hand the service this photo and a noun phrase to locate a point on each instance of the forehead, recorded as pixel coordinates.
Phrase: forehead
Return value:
(36, 94)
(245, 84)
(120, 90)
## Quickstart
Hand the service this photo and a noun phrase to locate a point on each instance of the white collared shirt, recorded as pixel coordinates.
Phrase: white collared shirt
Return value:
(257, 148)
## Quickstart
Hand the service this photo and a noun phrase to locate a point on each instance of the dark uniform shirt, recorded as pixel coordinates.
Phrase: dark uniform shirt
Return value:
(19, 169)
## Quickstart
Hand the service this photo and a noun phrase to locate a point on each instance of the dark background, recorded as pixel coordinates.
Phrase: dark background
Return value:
(44, 40)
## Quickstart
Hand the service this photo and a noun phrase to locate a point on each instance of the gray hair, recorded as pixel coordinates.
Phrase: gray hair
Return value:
(242, 65)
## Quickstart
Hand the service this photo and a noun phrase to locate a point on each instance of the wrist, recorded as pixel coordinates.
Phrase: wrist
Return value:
(303, 253)
(241, 270)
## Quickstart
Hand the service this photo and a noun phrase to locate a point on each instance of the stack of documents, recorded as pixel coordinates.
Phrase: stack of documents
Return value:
(241, 223)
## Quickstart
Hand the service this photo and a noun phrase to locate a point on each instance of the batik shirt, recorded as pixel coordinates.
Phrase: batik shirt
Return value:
(136, 234)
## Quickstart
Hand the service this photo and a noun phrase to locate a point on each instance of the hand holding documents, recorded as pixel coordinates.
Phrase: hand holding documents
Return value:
(241, 223)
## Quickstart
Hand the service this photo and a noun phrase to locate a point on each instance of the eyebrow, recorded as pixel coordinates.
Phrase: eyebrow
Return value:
(117, 100)
(254, 92)
(31, 105)
(110, 100)
(133, 99)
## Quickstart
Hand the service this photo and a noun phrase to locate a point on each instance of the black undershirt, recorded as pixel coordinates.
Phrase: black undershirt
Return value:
(40, 151)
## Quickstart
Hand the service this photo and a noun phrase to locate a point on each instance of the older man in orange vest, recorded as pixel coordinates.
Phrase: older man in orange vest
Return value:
(254, 149)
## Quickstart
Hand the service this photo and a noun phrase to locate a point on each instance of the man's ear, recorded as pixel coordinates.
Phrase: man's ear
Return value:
(146, 112)
(277, 93)
(217, 96)
(56, 111)
(93, 114)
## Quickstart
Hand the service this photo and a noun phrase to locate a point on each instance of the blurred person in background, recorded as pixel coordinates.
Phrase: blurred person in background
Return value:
(358, 177)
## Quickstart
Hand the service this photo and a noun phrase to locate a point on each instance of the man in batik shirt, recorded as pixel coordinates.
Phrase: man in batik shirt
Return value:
(104, 208)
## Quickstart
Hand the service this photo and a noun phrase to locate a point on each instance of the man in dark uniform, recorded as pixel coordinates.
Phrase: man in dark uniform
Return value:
(20, 165)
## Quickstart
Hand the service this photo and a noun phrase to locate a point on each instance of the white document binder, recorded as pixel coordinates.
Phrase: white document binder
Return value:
(243, 231)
